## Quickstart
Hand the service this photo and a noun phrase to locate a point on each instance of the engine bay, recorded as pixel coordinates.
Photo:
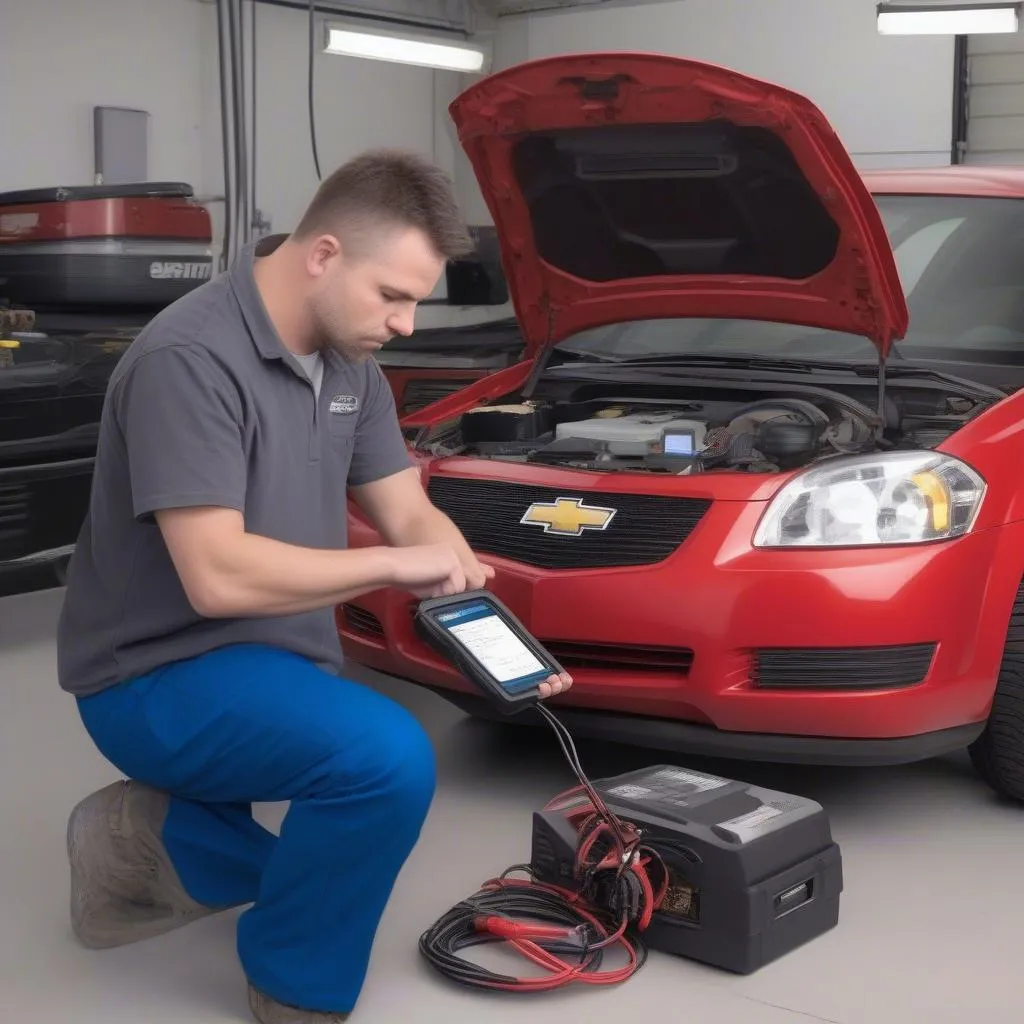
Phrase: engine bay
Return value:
(618, 428)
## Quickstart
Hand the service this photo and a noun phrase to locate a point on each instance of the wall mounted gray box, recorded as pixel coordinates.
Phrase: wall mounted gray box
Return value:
(121, 138)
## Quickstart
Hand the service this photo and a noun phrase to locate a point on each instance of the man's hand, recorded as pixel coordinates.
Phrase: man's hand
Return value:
(556, 684)
(430, 570)
(477, 573)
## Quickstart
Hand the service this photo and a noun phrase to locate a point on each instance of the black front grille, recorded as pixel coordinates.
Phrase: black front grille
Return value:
(842, 668)
(424, 392)
(645, 528)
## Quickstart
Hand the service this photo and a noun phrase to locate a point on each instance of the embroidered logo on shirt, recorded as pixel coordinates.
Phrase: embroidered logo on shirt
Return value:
(344, 405)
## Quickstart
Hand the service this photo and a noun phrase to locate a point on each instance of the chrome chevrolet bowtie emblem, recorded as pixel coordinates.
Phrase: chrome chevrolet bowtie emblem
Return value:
(567, 517)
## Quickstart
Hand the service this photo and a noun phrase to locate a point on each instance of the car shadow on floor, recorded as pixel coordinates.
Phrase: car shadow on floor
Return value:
(485, 756)
(478, 758)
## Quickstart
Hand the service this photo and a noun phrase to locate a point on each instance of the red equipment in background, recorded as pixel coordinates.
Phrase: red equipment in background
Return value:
(129, 247)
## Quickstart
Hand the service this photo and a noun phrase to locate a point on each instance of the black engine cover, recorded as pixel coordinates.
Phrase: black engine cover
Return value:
(754, 872)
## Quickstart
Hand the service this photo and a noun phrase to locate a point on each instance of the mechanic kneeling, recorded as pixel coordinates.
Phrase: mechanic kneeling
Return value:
(198, 632)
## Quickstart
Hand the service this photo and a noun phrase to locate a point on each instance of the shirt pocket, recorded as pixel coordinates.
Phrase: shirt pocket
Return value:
(339, 447)
(341, 429)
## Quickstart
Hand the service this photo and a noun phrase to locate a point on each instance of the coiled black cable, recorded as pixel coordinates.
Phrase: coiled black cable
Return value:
(555, 928)
(581, 952)
(443, 943)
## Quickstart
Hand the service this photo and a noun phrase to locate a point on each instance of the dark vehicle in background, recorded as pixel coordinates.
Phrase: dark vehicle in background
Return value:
(51, 395)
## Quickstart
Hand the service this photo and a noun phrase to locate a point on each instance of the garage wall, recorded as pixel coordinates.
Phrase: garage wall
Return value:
(135, 53)
(359, 104)
(890, 99)
(161, 56)
(995, 114)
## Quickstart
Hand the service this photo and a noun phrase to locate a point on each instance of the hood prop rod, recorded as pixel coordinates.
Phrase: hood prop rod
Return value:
(882, 365)
(540, 363)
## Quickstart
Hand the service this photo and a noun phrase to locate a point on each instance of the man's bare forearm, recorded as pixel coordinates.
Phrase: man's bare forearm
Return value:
(257, 576)
(230, 573)
(432, 526)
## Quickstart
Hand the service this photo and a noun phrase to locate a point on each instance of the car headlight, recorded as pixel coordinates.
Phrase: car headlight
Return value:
(896, 498)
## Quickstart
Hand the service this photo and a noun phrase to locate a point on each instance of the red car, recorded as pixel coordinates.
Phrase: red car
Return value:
(758, 482)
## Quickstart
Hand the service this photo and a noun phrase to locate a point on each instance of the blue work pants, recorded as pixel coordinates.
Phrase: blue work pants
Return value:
(251, 724)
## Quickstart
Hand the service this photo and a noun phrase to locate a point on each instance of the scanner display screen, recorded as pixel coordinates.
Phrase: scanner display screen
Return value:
(484, 635)
(679, 444)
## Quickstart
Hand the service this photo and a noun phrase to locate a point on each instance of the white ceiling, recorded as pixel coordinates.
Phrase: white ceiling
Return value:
(454, 15)
(504, 8)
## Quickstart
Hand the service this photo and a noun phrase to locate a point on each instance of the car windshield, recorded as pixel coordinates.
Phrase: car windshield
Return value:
(961, 263)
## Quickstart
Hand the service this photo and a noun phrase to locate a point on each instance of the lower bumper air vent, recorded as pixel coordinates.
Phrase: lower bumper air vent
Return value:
(359, 620)
(842, 668)
(613, 658)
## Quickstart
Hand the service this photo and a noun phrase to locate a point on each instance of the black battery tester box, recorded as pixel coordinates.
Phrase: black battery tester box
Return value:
(754, 873)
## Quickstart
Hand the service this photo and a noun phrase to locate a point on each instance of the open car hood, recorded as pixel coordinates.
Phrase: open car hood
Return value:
(633, 186)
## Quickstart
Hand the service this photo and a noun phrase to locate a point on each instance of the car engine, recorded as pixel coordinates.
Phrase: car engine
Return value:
(767, 435)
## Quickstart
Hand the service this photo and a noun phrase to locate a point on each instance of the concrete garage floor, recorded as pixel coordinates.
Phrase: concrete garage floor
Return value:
(929, 924)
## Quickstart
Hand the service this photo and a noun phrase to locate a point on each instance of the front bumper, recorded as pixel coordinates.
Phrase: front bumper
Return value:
(704, 741)
(726, 603)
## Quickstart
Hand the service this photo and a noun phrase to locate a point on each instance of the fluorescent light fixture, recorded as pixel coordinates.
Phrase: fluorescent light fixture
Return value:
(948, 19)
(399, 47)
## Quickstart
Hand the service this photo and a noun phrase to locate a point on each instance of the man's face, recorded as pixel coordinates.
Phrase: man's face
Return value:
(359, 302)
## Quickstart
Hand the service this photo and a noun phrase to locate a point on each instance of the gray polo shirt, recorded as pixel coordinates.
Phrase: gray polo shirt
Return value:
(207, 407)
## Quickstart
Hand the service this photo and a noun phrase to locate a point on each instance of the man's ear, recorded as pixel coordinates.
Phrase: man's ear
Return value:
(320, 253)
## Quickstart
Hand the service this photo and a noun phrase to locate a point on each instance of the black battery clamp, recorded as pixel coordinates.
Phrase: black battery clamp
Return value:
(666, 858)
(490, 646)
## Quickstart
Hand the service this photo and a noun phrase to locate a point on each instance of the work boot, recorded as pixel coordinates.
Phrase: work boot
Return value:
(123, 885)
(269, 1011)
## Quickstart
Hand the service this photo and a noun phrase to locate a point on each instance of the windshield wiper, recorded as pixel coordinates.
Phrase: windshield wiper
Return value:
(905, 369)
(586, 357)
(894, 368)
(681, 361)
(709, 359)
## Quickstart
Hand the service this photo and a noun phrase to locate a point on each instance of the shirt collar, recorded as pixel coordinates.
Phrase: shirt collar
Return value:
(261, 329)
(243, 283)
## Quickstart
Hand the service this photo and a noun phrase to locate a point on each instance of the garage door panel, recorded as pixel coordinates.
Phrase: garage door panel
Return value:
(997, 43)
(1009, 158)
(997, 100)
(996, 134)
(995, 103)
(997, 69)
